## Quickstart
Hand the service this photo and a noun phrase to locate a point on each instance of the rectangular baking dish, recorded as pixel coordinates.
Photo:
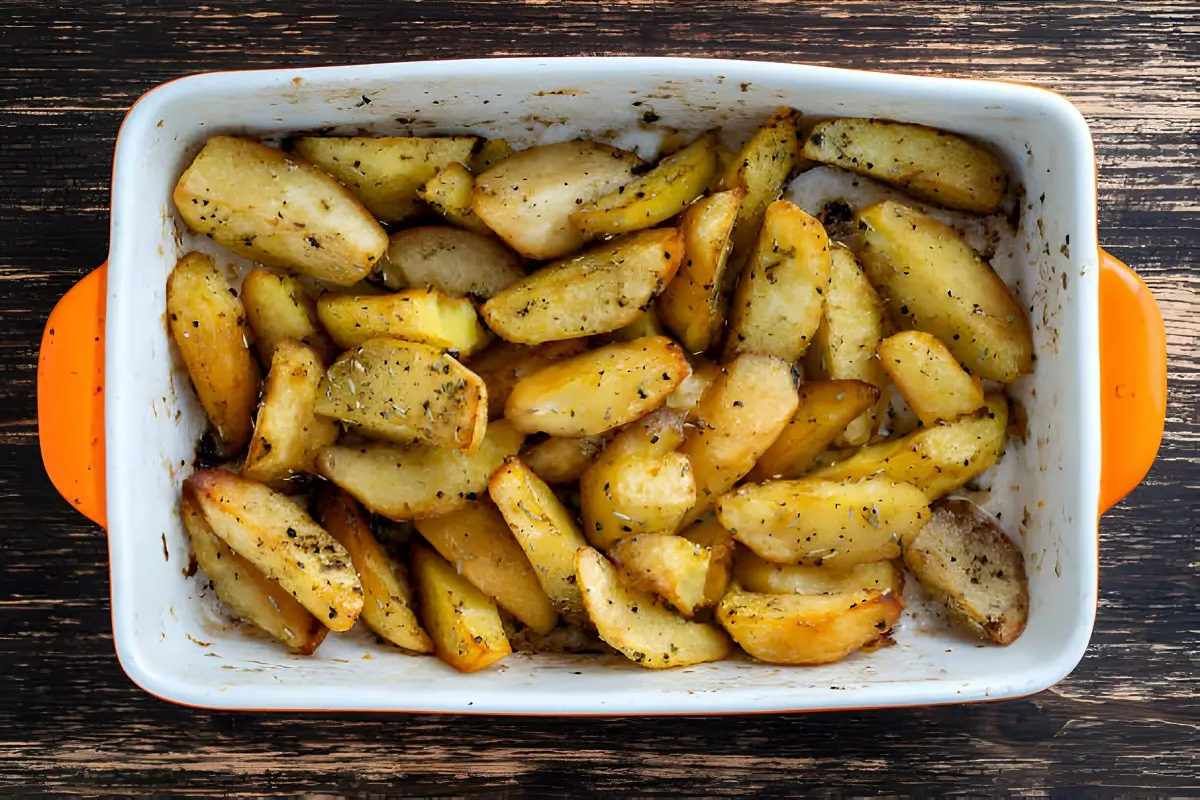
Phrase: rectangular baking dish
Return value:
(118, 420)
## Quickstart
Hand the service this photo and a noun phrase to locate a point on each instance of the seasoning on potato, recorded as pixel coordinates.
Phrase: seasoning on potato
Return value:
(458, 262)
(419, 315)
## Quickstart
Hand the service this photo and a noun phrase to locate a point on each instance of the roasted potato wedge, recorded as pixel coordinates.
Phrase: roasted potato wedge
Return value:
(692, 305)
(600, 290)
(598, 390)
(528, 198)
(406, 392)
(418, 481)
(282, 542)
(388, 607)
(963, 559)
(546, 532)
(288, 433)
(933, 282)
(639, 624)
(934, 165)
(710, 535)
(482, 548)
(562, 460)
(687, 395)
(741, 415)
(646, 324)
(759, 575)
(462, 621)
(826, 408)
(639, 484)
(418, 315)
(936, 460)
(807, 628)
(450, 192)
(503, 365)
(278, 308)
(672, 567)
(454, 261)
(813, 521)
(208, 323)
(279, 211)
(930, 378)
(490, 153)
(781, 292)
(385, 172)
(653, 198)
(243, 589)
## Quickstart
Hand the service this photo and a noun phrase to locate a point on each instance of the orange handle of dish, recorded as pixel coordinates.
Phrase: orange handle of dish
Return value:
(70, 395)
(1133, 380)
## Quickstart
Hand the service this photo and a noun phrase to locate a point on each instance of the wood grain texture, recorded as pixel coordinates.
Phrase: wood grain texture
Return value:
(1127, 719)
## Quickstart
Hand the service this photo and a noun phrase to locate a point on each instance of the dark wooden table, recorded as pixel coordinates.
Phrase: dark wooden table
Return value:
(70, 721)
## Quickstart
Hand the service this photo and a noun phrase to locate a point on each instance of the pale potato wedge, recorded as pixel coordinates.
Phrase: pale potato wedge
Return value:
(672, 567)
(937, 460)
(653, 198)
(406, 392)
(930, 378)
(288, 433)
(562, 460)
(844, 345)
(646, 324)
(243, 589)
(490, 153)
(639, 624)
(279, 211)
(600, 290)
(282, 542)
(598, 390)
(759, 575)
(418, 315)
(711, 536)
(639, 484)
(449, 192)
(687, 395)
(457, 262)
(528, 198)
(404, 483)
(781, 292)
(388, 607)
(825, 409)
(503, 365)
(933, 281)
(804, 628)
(741, 415)
(278, 308)
(933, 165)
(812, 521)
(692, 306)
(385, 172)
(482, 548)
(462, 621)
(546, 532)
(963, 559)
(208, 323)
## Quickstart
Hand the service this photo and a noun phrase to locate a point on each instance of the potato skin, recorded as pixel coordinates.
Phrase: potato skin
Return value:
(670, 566)
(462, 621)
(457, 262)
(278, 308)
(930, 378)
(427, 316)
(759, 575)
(563, 460)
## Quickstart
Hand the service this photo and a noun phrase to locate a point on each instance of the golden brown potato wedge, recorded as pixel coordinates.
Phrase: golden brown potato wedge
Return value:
(282, 542)
(781, 292)
(546, 532)
(385, 172)
(741, 415)
(963, 559)
(406, 392)
(243, 589)
(930, 378)
(933, 165)
(934, 282)
(807, 629)
(279, 211)
(418, 315)
(646, 324)
(288, 433)
(482, 548)
(639, 484)
(598, 390)
(639, 624)
(826, 407)
(209, 325)
(503, 365)
(388, 607)
(462, 621)
(528, 197)
(692, 305)
(937, 460)
(278, 308)
(710, 535)
(813, 521)
(454, 261)
(672, 567)
(653, 198)
(759, 575)
(600, 290)
(687, 395)
(450, 192)
(563, 460)
(490, 153)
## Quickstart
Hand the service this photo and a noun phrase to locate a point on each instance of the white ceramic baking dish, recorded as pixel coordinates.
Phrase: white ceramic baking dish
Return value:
(118, 420)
